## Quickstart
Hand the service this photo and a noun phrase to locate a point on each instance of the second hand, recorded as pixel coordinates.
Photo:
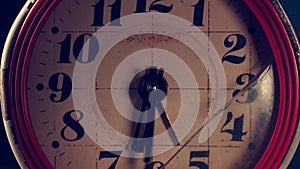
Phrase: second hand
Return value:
(260, 76)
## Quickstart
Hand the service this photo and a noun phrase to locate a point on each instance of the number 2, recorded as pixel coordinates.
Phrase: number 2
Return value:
(238, 45)
(141, 7)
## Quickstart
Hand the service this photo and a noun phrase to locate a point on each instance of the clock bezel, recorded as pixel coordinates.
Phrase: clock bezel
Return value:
(14, 75)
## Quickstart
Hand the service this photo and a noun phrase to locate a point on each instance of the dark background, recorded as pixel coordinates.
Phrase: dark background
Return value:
(8, 11)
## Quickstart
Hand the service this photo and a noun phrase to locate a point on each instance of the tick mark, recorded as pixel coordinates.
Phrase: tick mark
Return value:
(45, 122)
(62, 154)
(49, 133)
(46, 52)
(69, 163)
(77, 2)
(237, 11)
(229, 2)
(68, 11)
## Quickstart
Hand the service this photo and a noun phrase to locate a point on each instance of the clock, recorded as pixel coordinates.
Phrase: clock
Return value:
(151, 84)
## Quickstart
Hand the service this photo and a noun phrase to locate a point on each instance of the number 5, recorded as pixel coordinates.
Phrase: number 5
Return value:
(198, 154)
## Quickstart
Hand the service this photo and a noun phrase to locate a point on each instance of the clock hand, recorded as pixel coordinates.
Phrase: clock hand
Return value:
(139, 129)
(160, 95)
(148, 85)
(257, 78)
(152, 89)
(144, 130)
(149, 134)
(167, 124)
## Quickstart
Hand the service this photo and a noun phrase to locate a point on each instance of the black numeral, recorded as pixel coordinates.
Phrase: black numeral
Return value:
(72, 124)
(198, 154)
(251, 93)
(65, 48)
(99, 13)
(115, 13)
(156, 164)
(60, 83)
(237, 131)
(199, 13)
(154, 6)
(159, 7)
(112, 154)
(93, 48)
(238, 45)
(141, 6)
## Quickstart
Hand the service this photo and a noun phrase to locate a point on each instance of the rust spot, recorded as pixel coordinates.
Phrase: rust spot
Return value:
(148, 38)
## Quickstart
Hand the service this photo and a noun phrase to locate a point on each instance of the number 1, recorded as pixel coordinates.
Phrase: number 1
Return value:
(198, 13)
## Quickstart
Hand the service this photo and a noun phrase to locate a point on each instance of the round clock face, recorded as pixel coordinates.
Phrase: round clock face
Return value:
(150, 84)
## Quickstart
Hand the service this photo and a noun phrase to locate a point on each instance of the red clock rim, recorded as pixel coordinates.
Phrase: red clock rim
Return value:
(25, 137)
(288, 83)
(283, 56)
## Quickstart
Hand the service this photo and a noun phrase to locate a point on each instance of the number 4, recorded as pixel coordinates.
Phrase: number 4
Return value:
(237, 131)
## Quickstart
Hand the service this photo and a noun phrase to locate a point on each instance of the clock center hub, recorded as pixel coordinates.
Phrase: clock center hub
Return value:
(148, 85)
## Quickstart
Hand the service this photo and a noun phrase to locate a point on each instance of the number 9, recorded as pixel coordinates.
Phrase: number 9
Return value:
(60, 82)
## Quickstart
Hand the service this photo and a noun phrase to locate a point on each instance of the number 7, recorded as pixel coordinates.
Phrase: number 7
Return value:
(110, 154)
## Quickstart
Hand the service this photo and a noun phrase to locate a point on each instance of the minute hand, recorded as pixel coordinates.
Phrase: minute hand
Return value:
(167, 124)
